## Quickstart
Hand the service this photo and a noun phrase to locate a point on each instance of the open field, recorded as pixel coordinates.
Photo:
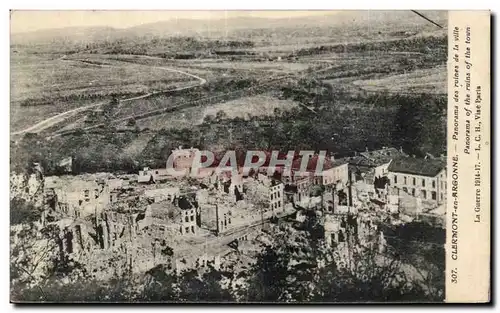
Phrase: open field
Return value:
(23, 117)
(60, 84)
(268, 66)
(38, 78)
(140, 60)
(260, 105)
(96, 110)
(428, 80)
(162, 89)
(353, 71)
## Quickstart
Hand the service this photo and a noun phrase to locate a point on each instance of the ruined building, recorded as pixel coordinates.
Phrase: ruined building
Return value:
(421, 178)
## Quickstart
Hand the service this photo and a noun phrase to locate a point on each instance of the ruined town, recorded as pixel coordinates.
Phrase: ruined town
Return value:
(118, 225)
(109, 201)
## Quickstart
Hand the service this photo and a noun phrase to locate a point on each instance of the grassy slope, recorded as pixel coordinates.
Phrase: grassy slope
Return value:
(51, 85)
(346, 123)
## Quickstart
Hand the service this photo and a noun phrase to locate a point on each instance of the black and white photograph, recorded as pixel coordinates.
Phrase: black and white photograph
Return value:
(228, 156)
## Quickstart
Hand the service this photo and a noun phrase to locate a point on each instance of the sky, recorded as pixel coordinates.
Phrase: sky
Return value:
(26, 21)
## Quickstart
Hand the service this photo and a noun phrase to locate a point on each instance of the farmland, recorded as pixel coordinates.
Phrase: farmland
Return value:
(130, 95)
(244, 108)
(63, 77)
(428, 80)
(99, 112)
(58, 83)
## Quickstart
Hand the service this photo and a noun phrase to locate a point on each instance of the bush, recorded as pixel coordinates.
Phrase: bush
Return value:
(23, 212)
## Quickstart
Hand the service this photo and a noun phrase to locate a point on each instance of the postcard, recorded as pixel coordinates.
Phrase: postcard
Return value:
(250, 156)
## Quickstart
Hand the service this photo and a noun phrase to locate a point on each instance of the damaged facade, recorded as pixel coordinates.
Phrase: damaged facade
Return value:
(422, 178)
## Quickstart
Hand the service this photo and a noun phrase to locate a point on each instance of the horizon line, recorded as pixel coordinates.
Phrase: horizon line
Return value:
(186, 15)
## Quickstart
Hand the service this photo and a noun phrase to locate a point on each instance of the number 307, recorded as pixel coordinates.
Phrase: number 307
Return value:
(454, 276)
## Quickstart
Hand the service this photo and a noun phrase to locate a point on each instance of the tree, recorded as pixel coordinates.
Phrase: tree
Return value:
(32, 258)
(131, 122)
(285, 269)
(277, 112)
(82, 290)
(23, 212)
(110, 107)
(221, 115)
(420, 124)
(317, 190)
(297, 268)
(205, 287)
(159, 285)
(362, 274)
(208, 119)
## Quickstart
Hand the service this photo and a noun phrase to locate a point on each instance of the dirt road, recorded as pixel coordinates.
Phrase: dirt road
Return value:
(51, 121)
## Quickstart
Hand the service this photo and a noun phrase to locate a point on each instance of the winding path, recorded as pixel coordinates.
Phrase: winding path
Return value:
(51, 121)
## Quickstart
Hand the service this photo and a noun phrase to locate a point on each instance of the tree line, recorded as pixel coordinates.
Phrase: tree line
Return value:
(324, 121)
(422, 44)
(294, 266)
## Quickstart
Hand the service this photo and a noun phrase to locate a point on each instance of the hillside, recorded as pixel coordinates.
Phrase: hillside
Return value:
(351, 22)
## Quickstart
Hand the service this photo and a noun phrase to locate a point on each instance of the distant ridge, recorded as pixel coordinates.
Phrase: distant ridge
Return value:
(220, 27)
